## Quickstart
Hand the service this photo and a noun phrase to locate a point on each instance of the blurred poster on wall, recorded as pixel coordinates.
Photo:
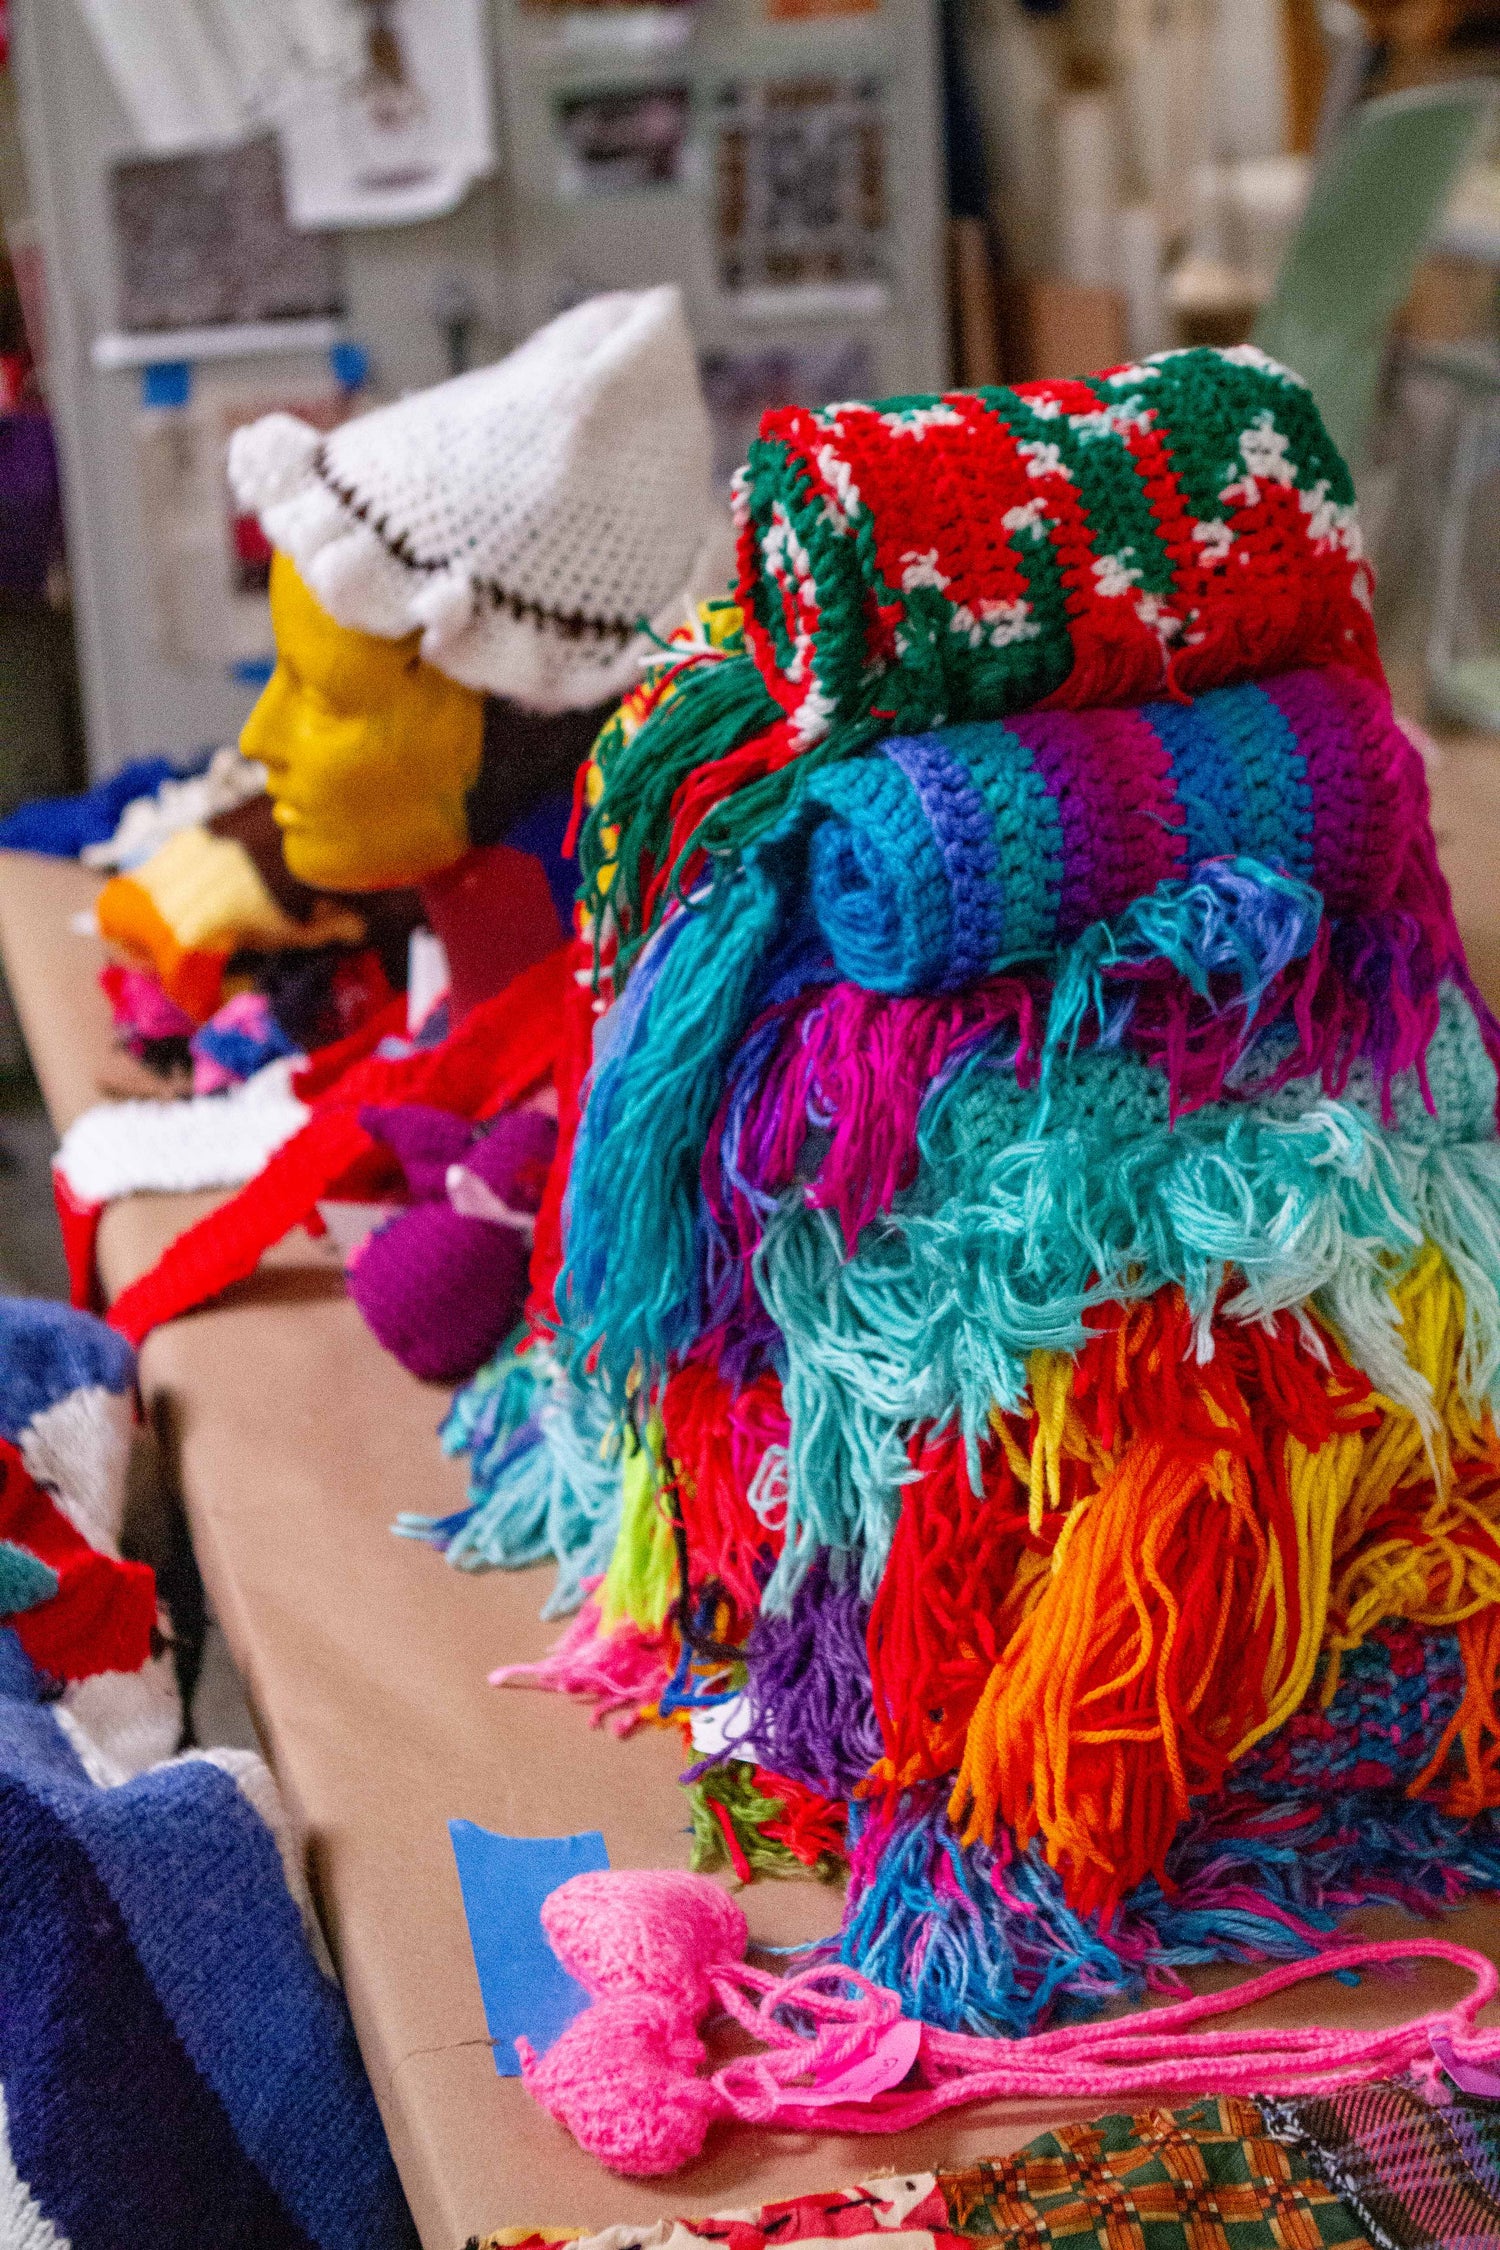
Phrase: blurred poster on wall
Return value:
(209, 565)
(801, 182)
(204, 239)
(740, 386)
(408, 134)
(801, 11)
(617, 142)
(198, 74)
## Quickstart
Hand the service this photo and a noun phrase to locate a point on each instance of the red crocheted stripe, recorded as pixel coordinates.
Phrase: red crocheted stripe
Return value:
(102, 1615)
(503, 1050)
(78, 1224)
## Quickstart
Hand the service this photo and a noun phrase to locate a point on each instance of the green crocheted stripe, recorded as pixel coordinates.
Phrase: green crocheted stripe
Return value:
(1207, 409)
(1271, 773)
(1093, 453)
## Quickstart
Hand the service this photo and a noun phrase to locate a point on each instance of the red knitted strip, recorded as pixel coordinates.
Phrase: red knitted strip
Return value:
(102, 1615)
(227, 1245)
(505, 1048)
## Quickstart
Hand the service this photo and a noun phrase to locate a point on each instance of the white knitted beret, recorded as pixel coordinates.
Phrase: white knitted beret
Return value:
(527, 517)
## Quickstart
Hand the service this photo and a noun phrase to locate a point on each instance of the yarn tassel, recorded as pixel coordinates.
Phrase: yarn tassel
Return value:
(1474, 1731)
(810, 1715)
(741, 1821)
(548, 1490)
(1317, 1206)
(719, 1441)
(964, 1562)
(622, 1671)
(630, 1290)
(697, 714)
(1419, 1536)
(984, 1939)
(1234, 920)
(1123, 1692)
(853, 1068)
(641, 1584)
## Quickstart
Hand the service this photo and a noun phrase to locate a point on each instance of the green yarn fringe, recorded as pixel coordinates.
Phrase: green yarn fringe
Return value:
(729, 1794)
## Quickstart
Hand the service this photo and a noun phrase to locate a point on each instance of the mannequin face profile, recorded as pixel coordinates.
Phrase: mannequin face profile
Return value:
(368, 750)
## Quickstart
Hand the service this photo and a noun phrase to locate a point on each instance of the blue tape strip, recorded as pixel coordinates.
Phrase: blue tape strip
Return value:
(504, 1880)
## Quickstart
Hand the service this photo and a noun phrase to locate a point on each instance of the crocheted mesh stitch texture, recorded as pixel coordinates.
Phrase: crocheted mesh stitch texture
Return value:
(1116, 1097)
(1188, 520)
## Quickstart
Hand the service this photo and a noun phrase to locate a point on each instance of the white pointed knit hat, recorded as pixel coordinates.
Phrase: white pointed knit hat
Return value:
(530, 518)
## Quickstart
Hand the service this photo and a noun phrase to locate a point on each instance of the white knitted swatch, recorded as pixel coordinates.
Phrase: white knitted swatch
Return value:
(78, 1449)
(119, 1723)
(147, 822)
(528, 518)
(215, 1140)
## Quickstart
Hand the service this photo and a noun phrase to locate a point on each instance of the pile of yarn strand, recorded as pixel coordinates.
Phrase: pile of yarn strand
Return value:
(1017, 1382)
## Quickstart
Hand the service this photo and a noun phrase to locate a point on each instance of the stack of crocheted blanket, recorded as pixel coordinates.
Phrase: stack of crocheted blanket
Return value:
(1019, 1385)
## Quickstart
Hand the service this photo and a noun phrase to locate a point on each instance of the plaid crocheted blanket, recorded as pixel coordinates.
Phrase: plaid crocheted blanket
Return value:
(1379, 2169)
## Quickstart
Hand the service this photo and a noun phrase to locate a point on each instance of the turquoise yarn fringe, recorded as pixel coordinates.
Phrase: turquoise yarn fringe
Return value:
(630, 1290)
(544, 1478)
(1013, 1230)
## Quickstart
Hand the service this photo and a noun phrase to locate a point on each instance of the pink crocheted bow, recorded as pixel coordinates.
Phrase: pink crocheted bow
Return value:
(657, 1952)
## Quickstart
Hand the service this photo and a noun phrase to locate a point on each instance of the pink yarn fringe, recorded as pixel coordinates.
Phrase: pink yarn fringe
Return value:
(621, 1673)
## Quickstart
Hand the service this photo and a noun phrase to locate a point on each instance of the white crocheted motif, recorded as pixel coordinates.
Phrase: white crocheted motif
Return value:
(147, 822)
(215, 1140)
(531, 519)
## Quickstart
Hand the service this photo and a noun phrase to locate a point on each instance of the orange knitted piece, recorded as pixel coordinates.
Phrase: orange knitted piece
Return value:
(130, 920)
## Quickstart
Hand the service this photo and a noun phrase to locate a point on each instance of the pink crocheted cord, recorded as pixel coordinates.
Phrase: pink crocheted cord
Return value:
(655, 1950)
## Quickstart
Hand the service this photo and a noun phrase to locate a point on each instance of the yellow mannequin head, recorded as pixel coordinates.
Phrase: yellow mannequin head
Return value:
(370, 751)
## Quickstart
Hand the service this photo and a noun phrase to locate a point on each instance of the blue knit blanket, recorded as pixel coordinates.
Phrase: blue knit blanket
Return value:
(176, 2071)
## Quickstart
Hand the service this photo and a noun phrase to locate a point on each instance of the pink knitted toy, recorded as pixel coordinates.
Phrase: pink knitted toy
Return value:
(657, 1951)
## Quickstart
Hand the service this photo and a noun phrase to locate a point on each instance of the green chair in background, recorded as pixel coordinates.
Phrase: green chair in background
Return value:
(1377, 199)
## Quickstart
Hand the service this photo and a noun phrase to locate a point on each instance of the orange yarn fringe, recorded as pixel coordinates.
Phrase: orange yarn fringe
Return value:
(1158, 1558)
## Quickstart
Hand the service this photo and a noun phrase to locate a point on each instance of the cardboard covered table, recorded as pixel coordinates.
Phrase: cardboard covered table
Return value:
(295, 1444)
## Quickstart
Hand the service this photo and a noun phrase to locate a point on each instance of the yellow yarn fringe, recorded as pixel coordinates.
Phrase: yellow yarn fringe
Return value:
(642, 1581)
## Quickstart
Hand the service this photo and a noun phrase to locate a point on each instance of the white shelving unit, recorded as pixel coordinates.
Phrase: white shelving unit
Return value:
(521, 246)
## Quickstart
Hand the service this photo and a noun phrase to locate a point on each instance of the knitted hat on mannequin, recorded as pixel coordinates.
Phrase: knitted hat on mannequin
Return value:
(528, 518)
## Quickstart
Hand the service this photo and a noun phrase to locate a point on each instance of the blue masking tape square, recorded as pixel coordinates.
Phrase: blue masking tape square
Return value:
(504, 1880)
